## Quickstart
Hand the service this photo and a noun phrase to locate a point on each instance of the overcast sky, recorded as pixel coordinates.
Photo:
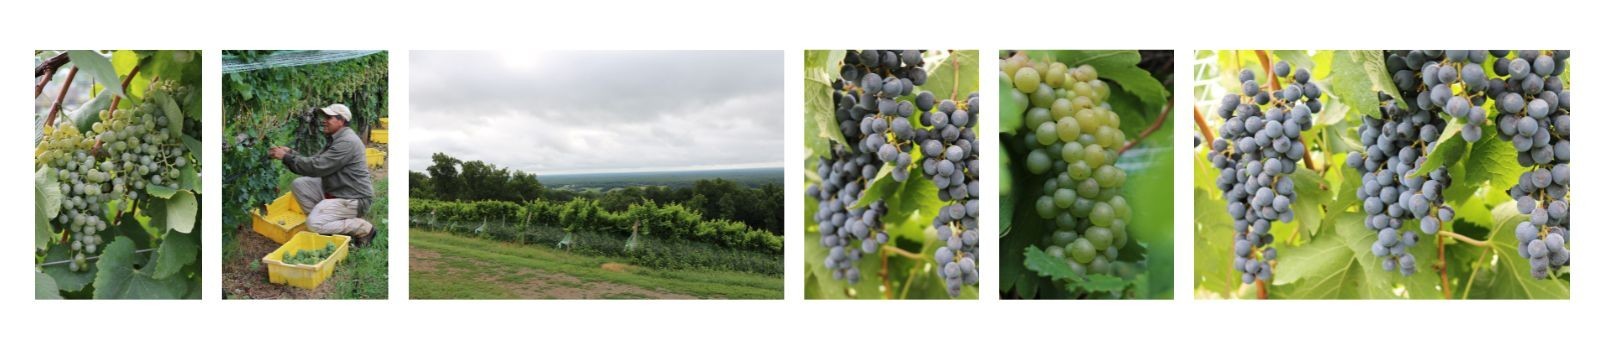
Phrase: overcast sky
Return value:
(562, 112)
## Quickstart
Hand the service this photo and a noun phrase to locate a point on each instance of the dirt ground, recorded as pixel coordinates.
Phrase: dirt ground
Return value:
(526, 283)
(245, 277)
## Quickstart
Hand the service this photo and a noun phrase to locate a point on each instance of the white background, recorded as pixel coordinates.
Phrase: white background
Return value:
(791, 26)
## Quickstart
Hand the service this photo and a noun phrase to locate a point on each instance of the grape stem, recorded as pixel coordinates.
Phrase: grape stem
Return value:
(92, 258)
(56, 107)
(900, 252)
(1261, 289)
(1463, 239)
(1149, 130)
(1200, 121)
(955, 81)
(1444, 274)
(1266, 68)
(883, 274)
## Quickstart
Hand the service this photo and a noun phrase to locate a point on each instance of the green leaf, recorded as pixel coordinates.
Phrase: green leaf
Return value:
(125, 61)
(175, 252)
(1340, 265)
(89, 112)
(1312, 194)
(1506, 275)
(1352, 85)
(819, 102)
(119, 279)
(160, 191)
(882, 186)
(1447, 152)
(955, 76)
(1494, 161)
(63, 275)
(46, 205)
(44, 287)
(194, 147)
(189, 179)
(99, 68)
(1056, 269)
(1373, 63)
(1296, 59)
(1135, 81)
(1010, 110)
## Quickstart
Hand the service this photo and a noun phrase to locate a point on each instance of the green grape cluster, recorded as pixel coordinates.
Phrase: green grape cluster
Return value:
(103, 172)
(1074, 139)
(308, 256)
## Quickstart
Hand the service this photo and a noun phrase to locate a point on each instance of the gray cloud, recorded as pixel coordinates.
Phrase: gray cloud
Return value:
(583, 111)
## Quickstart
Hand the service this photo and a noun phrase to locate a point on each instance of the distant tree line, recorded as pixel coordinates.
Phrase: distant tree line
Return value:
(452, 179)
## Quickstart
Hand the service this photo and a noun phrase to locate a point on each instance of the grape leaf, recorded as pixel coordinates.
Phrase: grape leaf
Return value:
(1494, 161)
(1311, 194)
(189, 179)
(1056, 269)
(1373, 63)
(954, 77)
(1135, 81)
(125, 61)
(119, 279)
(176, 251)
(89, 112)
(1296, 58)
(1340, 265)
(44, 287)
(819, 101)
(1010, 111)
(1352, 86)
(1447, 152)
(99, 68)
(882, 186)
(62, 273)
(47, 199)
(160, 191)
(1508, 275)
(1213, 243)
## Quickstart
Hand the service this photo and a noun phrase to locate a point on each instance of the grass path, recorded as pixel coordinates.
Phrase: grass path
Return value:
(445, 266)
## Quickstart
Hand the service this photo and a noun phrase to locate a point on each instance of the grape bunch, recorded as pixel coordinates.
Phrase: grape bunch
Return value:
(1257, 148)
(1444, 82)
(950, 150)
(1392, 191)
(1534, 108)
(308, 256)
(1073, 140)
(880, 129)
(124, 153)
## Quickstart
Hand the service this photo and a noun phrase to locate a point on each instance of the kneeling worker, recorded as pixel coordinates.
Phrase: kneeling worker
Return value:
(333, 183)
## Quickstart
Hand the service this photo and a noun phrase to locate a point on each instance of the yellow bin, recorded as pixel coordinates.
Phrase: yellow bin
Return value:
(375, 158)
(380, 136)
(306, 276)
(284, 218)
(383, 123)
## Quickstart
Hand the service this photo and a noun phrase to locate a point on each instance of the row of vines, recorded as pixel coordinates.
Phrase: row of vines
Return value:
(669, 235)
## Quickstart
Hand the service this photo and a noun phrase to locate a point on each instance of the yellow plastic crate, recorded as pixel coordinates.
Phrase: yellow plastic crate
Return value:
(380, 136)
(284, 218)
(375, 158)
(383, 123)
(306, 276)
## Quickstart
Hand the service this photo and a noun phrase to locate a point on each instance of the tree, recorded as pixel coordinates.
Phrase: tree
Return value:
(446, 178)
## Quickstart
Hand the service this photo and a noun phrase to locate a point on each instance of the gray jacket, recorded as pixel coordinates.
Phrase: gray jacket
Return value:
(342, 165)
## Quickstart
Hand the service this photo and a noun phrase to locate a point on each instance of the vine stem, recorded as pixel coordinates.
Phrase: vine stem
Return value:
(1200, 121)
(56, 107)
(1266, 68)
(47, 71)
(1261, 289)
(900, 252)
(1165, 110)
(883, 274)
(1444, 274)
(92, 258)
(1463, 239)
(955, 83)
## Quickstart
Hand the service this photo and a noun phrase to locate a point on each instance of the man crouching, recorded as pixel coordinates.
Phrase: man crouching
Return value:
(334, 183)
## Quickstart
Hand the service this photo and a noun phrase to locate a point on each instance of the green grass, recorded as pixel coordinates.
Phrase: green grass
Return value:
(369, 266)
(698, 283)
